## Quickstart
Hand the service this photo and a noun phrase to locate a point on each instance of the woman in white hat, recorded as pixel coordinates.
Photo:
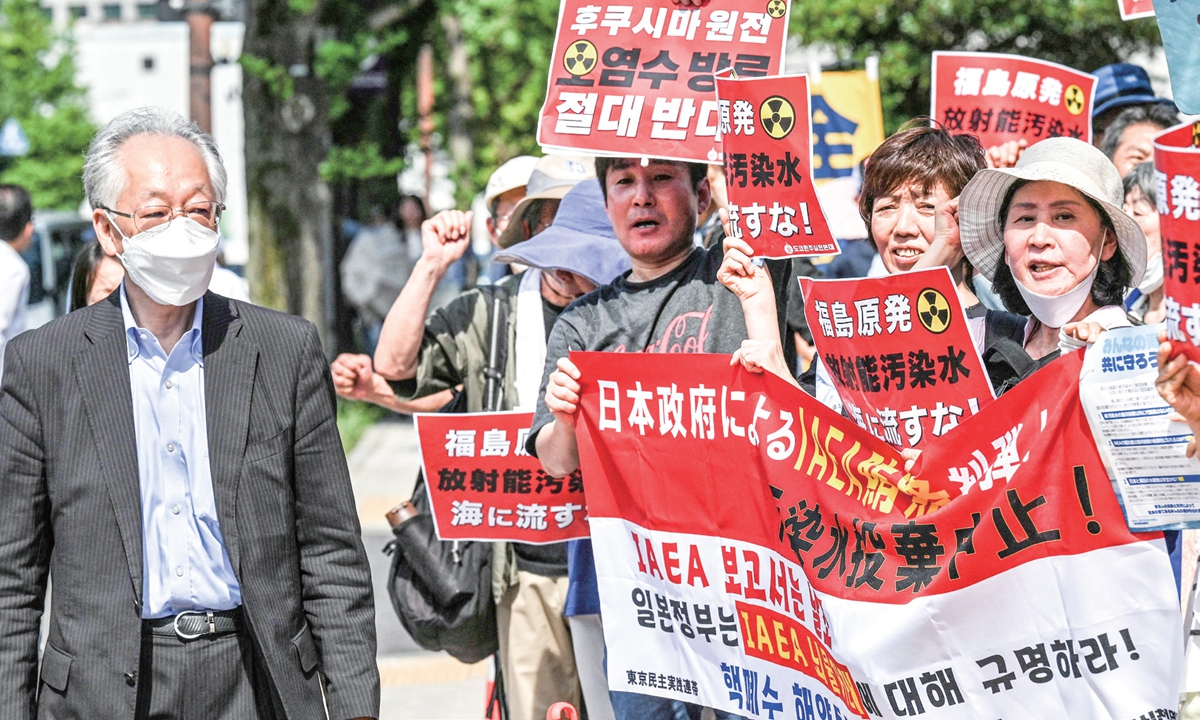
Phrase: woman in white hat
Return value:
(1051, 235)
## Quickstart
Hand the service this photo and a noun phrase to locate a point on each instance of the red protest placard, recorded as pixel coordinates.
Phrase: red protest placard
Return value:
(766, 134)
(637, 78)
(998, 98)
(1177, 181)
(899, 353)
(484, 486)
(1134, 9)
(774, 542)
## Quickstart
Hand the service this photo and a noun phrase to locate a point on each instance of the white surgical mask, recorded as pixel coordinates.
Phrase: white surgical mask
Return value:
(1153, 279)
(1056, 311)
(172, 266)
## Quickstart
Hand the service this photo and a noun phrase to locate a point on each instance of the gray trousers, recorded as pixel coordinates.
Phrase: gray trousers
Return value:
(220, 678)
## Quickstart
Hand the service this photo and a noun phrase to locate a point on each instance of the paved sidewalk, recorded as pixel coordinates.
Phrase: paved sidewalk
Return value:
(417, 684)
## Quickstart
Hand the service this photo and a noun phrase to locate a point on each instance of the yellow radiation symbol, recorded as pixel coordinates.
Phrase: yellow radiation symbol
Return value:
(778, 117)
(776, 8)
(933, 310)
(1074, 99)
(1196, 134)
(580, 58)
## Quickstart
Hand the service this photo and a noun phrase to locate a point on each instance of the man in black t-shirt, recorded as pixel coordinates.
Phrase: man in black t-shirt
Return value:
(671, 301)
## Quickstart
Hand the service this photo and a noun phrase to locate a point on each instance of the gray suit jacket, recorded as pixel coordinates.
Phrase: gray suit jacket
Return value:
(70, 506)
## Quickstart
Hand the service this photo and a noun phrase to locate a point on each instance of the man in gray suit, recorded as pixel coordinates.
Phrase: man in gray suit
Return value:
(172, 458)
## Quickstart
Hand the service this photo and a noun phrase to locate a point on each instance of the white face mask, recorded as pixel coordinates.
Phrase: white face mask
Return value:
(173, 266)
(1056, 311)
(1153, 279)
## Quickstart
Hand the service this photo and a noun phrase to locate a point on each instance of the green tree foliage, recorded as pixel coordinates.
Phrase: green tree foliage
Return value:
(509, 43)
(1083, 34)
(37, 86)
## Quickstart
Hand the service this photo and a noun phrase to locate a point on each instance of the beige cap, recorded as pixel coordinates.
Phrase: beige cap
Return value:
(509, 176)
(1063, 160)
(552, 178)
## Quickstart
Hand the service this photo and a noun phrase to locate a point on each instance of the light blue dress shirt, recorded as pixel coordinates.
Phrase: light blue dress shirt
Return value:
(184, 562)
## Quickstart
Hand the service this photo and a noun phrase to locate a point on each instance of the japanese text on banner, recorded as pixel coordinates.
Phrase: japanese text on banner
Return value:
(899, 353)
(637, 78)
(1144, 451)
(484, 486)
(897, 567)
(999, 98)
(767, 141)
(1177, 185)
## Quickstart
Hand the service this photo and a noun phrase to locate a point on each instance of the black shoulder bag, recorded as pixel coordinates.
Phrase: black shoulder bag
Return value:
(442, 590)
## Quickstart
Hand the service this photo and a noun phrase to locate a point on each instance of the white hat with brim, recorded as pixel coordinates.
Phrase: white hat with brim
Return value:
(1063, 160)
(552, 177)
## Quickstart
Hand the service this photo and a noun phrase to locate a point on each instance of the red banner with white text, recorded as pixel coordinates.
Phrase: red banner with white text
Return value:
(636, 78)
(484, 486)
(1177, 186)
(765, 553)
(899, 352)
(773, 202)
(999, 98)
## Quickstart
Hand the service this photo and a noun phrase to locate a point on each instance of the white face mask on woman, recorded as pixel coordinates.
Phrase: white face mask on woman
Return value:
(172, 266)
(1056, 311)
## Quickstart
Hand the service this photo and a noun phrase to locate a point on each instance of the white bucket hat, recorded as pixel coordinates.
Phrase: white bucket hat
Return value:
(1063, 160)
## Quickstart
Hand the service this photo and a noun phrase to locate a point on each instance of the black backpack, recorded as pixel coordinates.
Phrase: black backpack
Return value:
(442, 590)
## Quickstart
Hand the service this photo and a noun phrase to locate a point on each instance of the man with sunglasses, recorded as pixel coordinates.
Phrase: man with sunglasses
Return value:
(172, 456)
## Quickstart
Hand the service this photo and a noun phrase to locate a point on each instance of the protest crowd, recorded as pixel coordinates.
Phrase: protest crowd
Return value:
(770, 527)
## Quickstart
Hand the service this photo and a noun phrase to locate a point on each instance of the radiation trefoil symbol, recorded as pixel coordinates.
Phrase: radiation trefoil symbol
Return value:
(777, 116)
(580, 58)
(1074, 99)
(776, 8)
(933, 310)
(1196, 134)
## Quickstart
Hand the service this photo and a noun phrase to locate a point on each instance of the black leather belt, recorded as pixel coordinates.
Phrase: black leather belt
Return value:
(194, 624)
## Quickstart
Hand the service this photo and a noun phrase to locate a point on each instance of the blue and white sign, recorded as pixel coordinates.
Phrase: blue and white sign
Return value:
(13, 140)
(1144, 451)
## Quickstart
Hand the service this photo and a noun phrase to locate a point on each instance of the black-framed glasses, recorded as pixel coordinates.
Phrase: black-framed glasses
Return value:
(159, 217)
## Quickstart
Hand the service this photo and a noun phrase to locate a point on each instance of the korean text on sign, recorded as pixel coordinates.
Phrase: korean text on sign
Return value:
(991, 578)
(484, 486)
(998, 98)
(1177, 184)
(899, 353)
(767, 141)
(637, 78)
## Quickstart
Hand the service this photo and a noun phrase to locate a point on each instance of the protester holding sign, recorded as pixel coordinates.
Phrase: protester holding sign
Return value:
(1051, 235)
(578, 251)
(671, 301)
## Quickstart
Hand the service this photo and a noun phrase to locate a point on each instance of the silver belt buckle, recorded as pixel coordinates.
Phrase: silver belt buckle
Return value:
(212, 628)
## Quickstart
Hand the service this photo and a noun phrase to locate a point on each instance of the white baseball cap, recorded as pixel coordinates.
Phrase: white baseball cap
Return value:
(509, 176)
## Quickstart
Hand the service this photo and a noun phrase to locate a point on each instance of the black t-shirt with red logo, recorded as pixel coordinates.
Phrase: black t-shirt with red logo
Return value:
(684, 311)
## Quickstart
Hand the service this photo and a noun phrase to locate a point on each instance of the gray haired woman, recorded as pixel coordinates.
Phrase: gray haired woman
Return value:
(1146, 302)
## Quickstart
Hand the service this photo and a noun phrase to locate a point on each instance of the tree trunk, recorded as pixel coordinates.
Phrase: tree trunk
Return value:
(287, 136)
(458, 67)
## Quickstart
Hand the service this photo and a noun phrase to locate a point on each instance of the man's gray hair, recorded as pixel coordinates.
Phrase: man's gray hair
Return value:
(104, 178)
(1160, 114)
